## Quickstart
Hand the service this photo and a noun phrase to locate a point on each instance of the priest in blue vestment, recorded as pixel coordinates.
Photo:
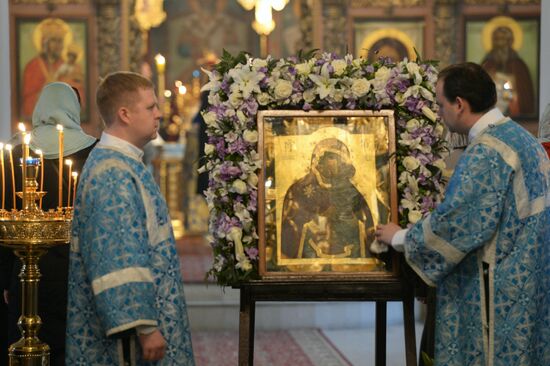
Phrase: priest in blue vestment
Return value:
(486, 247)
(126, 303)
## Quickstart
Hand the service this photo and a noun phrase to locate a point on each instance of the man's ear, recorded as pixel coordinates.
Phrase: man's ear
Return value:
(462, 104)
(123, 115)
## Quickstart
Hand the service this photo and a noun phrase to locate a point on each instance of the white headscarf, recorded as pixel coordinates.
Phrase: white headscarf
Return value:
(58, 104)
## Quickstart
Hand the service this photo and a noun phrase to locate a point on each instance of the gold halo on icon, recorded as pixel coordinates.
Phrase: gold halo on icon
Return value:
(51, 27)
(395, 33)
(501, 21)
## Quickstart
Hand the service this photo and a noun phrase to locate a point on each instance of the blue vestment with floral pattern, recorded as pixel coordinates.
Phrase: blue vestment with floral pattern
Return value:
(124, 271)
(495, 217)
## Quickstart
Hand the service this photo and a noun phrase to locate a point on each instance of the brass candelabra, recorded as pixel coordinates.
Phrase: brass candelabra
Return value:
(29, 233)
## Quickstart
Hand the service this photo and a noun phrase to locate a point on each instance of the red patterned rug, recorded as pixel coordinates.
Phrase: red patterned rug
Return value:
(308, 347)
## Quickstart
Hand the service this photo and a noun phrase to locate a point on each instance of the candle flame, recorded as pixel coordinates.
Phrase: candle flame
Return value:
(1, 146)
(59, 127)
(75, 174)
(182, 89)
(8, 147)
(159, 59)
(69, 162)
(167, 93)
(21, 127)
(178, 83)
(27, 139)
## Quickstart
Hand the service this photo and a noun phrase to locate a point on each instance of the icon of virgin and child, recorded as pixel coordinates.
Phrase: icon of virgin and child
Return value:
(324, 214)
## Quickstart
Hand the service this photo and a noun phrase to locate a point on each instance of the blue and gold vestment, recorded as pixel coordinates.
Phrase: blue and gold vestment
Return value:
(495, 216)
(124, 271)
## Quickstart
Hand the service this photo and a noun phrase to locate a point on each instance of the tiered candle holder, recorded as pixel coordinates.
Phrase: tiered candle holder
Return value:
(29, 233)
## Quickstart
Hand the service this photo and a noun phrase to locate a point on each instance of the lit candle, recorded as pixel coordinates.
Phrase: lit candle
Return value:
(8, 147)
(60, 178)
(23, 129)
(69, 163)
(26, 141)
(39, 152)
(75, 176)
(160, 61)
(179, 101)
(3, 176)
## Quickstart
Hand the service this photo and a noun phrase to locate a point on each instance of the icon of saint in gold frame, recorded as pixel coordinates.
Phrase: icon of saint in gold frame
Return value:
(328, 179)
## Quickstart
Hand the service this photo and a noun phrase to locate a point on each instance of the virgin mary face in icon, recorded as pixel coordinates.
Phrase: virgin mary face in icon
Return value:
(324, 215)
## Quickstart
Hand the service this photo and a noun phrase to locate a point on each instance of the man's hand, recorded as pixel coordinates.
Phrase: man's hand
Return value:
(384, 233)
(153, 345)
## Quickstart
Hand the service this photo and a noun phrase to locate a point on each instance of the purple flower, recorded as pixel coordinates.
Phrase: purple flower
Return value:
(251, 106)
(225, 86)
(225, 223)
(427, 203)
(252, 253)
(237, 146)
(306, 107)
(228, 171)
(252, 201)
(351, 104)
(369, 69)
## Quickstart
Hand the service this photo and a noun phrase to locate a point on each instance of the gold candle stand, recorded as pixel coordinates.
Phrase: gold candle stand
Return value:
(29, 233)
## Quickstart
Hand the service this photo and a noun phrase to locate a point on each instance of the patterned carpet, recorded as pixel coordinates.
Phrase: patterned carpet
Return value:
(308, 347)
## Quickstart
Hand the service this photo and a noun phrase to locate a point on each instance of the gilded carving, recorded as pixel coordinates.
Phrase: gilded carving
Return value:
(334, 21)
(501, 2)
(306, 25)
(108, 25)
(50, 2)
(445, 26)
(135, 41)
(384, 3)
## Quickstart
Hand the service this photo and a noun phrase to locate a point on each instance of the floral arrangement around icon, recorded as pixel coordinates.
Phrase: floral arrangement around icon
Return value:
(240, 85)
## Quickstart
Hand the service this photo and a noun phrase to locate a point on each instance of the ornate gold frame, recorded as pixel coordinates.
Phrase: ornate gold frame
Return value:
(331, 125)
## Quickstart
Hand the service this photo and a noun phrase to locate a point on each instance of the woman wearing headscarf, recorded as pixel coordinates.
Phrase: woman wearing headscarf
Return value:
(58, 104)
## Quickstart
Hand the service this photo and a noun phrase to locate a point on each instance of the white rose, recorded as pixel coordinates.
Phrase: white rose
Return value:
(252, 179)
(303, 68)
(283, 89)
(382, 75)
(209, 118)
(412, 124)
(338, 95)
(360, 87)
(250, 136)
(258, 62)
(264, 99)
(429, 113)
(209, 149)
(339, 67)
(414, 216)
(239, 187)
(309, 95)
(411, 163)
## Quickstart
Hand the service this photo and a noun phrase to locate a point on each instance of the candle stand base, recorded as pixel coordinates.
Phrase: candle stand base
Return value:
(29, 352)
(29, 234)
